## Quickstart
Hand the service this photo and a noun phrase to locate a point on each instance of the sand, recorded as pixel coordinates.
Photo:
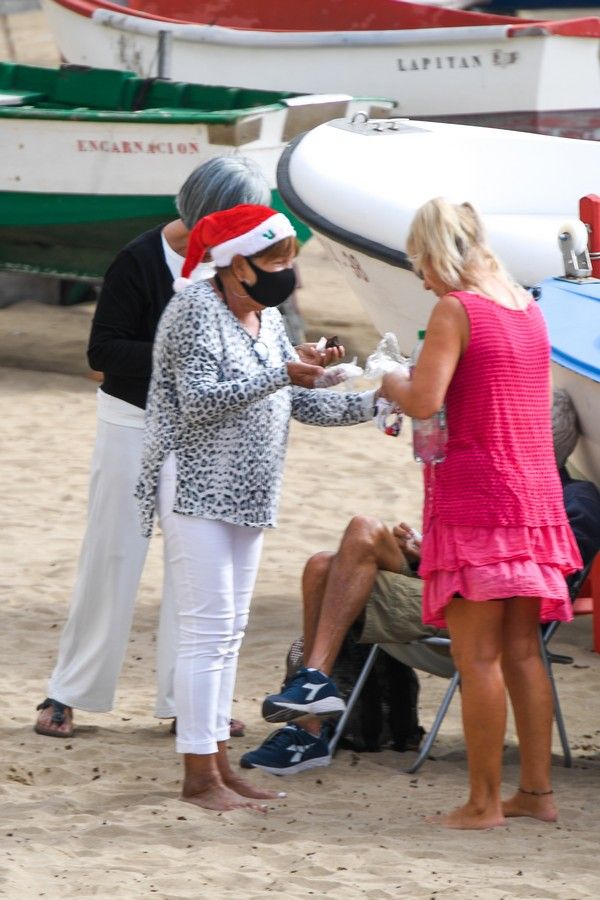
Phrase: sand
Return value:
(97, 815)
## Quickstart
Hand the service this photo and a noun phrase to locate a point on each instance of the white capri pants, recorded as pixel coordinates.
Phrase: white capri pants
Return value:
(213, 566)
(94, 639)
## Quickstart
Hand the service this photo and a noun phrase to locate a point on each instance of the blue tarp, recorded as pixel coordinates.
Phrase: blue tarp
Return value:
(572, 313)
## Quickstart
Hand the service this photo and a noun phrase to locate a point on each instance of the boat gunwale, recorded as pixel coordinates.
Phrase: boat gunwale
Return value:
(239, 37)
(139, 116)
(319, 223)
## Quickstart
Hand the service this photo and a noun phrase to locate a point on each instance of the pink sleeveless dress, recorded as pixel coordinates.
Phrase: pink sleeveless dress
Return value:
(494, 523)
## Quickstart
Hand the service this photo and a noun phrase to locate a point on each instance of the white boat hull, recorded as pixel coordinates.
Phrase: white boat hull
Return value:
(393, 297)
(524, 185)
(144, 158)
(429, 72)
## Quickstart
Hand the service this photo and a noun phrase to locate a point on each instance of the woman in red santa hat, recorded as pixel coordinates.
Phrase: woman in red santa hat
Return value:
(225, 383)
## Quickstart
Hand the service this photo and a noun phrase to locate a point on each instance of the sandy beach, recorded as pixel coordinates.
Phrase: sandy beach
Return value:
(97, 815)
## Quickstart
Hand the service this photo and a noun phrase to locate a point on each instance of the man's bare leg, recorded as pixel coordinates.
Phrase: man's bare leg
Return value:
(335, 591)
(366, 547)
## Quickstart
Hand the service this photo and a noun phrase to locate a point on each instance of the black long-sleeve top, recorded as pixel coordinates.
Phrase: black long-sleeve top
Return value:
(137, 286)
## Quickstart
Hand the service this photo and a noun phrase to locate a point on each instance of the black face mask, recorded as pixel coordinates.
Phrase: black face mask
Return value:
(271, 288)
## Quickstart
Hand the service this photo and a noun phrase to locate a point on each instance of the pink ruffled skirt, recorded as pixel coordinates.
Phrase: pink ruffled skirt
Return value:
(484, 563)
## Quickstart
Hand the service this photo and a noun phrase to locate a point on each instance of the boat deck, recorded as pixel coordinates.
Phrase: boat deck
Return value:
(82, 93)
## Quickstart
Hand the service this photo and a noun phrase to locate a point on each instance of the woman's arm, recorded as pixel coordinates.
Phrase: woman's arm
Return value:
(195, 349)
(446, 338)
(323, 407)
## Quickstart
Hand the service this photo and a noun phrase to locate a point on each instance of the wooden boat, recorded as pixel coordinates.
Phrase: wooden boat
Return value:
(572, 312)
(451, 64)
(93, 157)
(524, 185)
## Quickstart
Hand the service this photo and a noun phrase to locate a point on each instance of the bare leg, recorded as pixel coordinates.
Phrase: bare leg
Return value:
(314, 582)
(203, 785)
(366, 547)
(236, 783)
(476, 632)
(531, 697)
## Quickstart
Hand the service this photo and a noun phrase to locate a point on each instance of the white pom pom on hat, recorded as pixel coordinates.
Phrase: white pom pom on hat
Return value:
(180, 284)
(246, 229)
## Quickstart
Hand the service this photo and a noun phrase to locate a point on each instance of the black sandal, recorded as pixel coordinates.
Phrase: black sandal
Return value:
(58, 718)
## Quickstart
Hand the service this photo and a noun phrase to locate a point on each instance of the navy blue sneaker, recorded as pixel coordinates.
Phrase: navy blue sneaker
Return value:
(288, 750)
(308, 693)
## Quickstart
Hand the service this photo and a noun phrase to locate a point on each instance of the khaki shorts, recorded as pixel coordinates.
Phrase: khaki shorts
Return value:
(393, 611)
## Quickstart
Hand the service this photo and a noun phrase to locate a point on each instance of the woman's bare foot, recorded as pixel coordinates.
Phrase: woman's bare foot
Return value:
(213, 794)
(245, 789)
(55, 719)
(532, 805)
(469, 817)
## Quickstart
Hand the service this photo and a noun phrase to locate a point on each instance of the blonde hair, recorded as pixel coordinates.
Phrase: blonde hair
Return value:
(450, 240)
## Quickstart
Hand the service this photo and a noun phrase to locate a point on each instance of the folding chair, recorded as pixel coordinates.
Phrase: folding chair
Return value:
(423, 655)
(420, 656)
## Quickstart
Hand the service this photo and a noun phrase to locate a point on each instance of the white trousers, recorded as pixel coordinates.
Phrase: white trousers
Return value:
(214, 566)
(94, 639)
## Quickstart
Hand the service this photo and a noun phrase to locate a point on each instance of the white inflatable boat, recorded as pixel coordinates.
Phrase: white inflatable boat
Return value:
(357, 183)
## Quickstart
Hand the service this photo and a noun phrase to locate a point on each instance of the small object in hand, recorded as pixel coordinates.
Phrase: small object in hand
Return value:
(388, 417)
(414, 540)
(332, 342)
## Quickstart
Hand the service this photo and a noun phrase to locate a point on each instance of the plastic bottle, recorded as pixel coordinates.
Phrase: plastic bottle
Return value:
(430, 436)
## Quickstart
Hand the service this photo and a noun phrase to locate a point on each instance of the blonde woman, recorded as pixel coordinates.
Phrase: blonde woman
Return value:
(496, 544)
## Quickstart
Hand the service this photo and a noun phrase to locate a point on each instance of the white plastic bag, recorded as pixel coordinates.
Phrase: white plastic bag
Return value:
(336, 374)
(386, 358)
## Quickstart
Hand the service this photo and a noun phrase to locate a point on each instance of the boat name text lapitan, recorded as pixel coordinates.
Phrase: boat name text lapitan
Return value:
(472, 61)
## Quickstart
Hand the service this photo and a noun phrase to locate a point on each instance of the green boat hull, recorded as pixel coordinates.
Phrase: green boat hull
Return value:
(76, 236)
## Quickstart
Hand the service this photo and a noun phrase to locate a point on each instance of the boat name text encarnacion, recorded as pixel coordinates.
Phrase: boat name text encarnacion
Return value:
(471, 61)
(165, 147)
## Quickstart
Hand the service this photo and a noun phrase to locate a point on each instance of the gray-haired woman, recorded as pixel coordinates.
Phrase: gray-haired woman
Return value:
(136, 290)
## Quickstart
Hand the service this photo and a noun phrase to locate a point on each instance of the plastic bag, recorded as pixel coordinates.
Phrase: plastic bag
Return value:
(336, 374)
(386, 358)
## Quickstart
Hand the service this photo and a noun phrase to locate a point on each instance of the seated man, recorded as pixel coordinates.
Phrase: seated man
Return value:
(373, 575)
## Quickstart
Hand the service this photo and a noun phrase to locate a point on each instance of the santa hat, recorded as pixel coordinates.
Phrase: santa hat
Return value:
(246, 229)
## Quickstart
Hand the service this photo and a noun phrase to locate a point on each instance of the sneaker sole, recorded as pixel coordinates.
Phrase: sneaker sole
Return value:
(290, 770)
(276, 712)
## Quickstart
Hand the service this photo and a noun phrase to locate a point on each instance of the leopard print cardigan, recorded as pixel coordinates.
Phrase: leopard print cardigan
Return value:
(221, 401)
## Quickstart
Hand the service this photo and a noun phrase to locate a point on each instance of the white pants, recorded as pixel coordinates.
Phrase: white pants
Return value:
(214, 566)
(94, 639)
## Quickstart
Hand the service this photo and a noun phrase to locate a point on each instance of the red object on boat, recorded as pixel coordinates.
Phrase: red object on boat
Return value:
(336, 15)
(314, 15)
(589, 213)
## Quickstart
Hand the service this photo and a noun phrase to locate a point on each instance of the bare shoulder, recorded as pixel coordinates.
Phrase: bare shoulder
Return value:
(449, 322)
(448, 311)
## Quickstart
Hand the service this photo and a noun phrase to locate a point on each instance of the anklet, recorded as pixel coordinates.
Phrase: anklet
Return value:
(535, 793)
